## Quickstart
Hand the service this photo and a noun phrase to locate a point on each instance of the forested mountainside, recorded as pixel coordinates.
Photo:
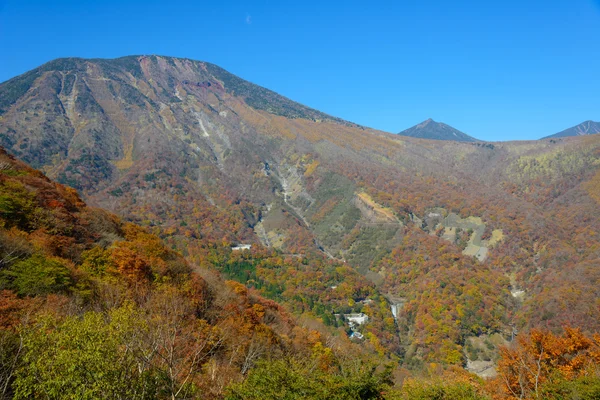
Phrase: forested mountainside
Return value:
(463, 244)
(92, 307)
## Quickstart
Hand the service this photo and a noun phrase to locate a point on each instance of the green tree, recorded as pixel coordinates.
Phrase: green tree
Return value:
(586, 387)
(96, 356)
(16, 205)
(36, 276)
(292, 379)
(437, 390)
(96, 261)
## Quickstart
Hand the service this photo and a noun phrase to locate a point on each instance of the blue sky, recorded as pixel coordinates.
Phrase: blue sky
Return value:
(497, 70)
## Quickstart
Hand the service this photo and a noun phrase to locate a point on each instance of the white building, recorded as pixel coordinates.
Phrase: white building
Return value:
(357, 319)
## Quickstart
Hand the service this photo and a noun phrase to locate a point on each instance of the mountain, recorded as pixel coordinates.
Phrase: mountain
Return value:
(461, 240)
(430, 129)
(167, 141)
(584, 128)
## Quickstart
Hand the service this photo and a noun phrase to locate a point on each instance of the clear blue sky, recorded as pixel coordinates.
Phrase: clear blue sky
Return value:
(497, 70)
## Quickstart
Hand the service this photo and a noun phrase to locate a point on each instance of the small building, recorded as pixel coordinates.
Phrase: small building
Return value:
(357, 335)
(241, 247)
(357, 319)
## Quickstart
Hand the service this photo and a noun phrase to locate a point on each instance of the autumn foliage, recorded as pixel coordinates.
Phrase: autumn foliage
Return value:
(92, 307)
(543, 365)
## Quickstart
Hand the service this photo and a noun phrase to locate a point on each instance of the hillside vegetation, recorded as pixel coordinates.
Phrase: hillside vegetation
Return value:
(93, 307)
(96, 308)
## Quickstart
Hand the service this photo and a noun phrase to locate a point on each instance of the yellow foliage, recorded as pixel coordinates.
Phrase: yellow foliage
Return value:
(386, 212)
(311, 168)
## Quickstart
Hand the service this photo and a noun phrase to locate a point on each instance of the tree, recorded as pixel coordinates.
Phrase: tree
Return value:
(16, 204)
(11, 346)
(541, 363)
(129, 263)
(93, 357)
(179, 343)
(292, 379)
(36, 276)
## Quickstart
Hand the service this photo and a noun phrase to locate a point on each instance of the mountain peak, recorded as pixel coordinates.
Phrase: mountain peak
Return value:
(429, 129)
(426, 122)
(169, 72)
(588, 127)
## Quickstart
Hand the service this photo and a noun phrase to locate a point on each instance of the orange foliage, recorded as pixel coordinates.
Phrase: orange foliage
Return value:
(130, 264)
(540, 357)
(11, 308)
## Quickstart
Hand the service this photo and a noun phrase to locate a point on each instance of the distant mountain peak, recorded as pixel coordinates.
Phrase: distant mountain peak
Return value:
(425, 123)
(429, 129)
(588, 127)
